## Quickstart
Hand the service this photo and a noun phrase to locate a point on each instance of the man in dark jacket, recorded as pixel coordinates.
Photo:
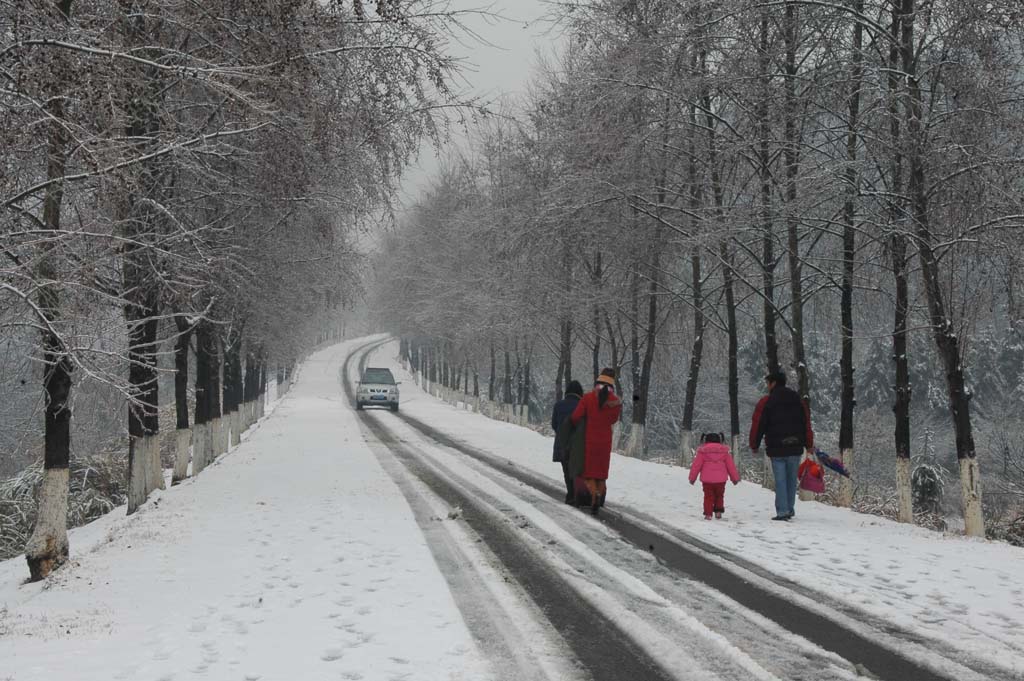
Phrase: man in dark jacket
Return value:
(783, 421)
(562, 411)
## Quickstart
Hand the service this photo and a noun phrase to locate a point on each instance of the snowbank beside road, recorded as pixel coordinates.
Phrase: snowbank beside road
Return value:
(281, 561)
(966, 594)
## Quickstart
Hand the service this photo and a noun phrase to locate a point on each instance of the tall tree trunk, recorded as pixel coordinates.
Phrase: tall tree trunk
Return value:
(47, 547)
(697, 349)
(728, 282)
(791, 152)
(527, 379)
(898, 248)
(559, 373)
(696, 355)
(145, 472)
(233, 378)
(638, 432)
(791, 155)
(763, 114)
(183, 435)
(202, 444)
(490, 379)
(566, 355)
(507, 392)
(733, 333)
(901, 406)
(613, 348)
(217, 395)
(142, 300)
(947, 341)
(595, 357)
(847, 393)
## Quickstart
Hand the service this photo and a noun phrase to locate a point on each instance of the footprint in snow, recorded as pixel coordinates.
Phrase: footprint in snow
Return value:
(332, 655)
(352, 676)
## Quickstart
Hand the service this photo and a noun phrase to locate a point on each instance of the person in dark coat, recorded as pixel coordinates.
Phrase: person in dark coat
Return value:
(560, 415)
(600, 408)
(783, 422)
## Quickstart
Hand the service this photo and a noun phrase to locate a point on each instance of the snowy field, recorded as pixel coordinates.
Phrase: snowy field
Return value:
(966, 595)
(293, 558)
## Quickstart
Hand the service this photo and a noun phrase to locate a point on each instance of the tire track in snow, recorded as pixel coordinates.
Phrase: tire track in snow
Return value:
(874, 646)
(605, 652)
(711, 627)
(518, 645)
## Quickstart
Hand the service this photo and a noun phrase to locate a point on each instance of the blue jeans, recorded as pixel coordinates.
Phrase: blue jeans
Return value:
(784, 469)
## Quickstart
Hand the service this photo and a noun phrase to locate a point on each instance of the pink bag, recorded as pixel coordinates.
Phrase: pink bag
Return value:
(812, 477)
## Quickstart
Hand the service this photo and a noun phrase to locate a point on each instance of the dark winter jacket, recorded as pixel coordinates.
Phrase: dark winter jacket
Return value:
(783, 421)
(561, 413)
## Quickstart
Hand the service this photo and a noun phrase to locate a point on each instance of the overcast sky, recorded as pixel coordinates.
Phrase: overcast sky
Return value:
(497, 63)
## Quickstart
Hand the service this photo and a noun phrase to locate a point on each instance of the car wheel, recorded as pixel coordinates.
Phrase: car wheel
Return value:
(394, 407)
(359, 406)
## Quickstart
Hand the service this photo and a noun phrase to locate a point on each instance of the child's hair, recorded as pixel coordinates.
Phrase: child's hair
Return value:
(712, 437)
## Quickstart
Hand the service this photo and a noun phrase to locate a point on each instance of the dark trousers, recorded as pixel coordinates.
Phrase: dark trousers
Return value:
(570, 488)
(714, 497)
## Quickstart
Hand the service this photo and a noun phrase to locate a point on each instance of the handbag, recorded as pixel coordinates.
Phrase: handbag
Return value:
(812, 477)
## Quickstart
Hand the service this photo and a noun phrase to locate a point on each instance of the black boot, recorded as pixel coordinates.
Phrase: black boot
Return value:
(594, 508)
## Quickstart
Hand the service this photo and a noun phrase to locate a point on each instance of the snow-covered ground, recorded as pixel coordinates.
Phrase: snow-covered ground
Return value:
(965, 595)
(294, 557)
(306, 553)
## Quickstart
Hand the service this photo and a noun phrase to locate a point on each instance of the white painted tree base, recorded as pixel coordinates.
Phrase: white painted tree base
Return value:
(225, 434)
(145, 473)
(216, 437)
(686, 448)
(182, 442)
(637, 438)
(47, 547)
(734, 447)
(200, 447)
(904, 490)
(970, 486)
(156, 466)
(237, 426)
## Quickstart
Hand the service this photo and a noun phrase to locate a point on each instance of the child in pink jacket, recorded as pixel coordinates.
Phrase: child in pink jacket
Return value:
(715, 466)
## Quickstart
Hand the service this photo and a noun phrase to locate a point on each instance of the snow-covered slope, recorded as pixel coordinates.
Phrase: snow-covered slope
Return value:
(965, 594)
(294, 557)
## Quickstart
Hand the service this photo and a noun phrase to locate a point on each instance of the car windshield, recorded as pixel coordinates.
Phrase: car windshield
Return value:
(378, 376)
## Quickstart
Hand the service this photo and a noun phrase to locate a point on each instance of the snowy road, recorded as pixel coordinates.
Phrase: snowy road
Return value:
(686, 596)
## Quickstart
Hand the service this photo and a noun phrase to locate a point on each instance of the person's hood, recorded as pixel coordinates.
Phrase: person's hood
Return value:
(716, 451)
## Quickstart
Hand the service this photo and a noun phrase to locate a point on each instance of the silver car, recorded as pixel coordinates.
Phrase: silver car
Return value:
(377, 388)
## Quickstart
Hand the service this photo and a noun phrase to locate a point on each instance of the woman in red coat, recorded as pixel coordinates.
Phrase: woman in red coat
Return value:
(601, 408)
